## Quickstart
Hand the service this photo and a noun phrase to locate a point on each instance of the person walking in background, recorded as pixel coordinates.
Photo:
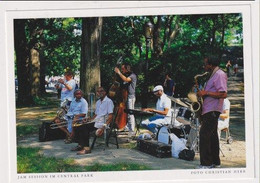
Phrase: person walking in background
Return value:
(213, 94)
(228, 66)
(235, 69)
(169, 85)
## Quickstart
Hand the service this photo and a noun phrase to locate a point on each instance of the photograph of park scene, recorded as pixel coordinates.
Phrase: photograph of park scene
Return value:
(94, 51)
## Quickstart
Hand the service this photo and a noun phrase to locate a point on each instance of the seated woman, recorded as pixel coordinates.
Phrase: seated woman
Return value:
(223, 121)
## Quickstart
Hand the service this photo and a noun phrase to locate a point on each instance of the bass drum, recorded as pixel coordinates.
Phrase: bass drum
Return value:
(164, 135)
(184, 116)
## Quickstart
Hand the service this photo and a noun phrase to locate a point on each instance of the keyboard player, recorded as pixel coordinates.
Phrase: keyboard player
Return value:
(162, 112)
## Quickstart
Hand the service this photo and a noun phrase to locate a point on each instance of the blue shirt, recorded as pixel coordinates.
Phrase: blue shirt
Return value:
(78, 107)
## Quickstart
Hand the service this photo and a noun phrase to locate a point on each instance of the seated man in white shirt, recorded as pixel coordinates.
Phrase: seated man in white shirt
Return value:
(223, 121)
(162, 111)
(103, 117)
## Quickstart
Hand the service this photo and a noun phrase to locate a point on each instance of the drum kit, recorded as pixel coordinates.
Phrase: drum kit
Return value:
(186, 117)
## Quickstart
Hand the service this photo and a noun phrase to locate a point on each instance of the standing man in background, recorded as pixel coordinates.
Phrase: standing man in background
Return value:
(169, 85)
(129, 79)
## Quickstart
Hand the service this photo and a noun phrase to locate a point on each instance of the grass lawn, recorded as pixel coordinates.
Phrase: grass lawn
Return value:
(30, 160)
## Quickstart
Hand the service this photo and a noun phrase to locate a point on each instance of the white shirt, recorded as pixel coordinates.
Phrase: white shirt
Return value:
(68, 94)
(103, 108)
(226, 106)
(162, 103)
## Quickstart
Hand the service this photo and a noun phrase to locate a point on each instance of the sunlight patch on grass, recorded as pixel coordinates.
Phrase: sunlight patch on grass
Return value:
(29, 160)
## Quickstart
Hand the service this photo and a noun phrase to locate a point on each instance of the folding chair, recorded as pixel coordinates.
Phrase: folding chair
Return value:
(110, 131)
(228, 139)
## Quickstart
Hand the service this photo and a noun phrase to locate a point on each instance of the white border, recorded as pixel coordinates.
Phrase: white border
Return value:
(13, 10)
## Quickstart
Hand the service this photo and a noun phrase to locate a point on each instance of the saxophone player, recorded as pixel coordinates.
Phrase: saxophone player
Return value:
(214, 93)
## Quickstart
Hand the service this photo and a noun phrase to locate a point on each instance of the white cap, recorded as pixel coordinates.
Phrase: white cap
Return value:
(157, 88)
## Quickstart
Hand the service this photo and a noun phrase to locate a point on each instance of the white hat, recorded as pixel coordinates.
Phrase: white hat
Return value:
(157, 88)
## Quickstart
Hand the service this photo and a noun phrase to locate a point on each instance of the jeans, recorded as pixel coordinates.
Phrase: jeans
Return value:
(153, 123)
(131, 118)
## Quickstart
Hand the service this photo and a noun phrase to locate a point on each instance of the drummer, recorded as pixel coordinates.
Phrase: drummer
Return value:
(162, 112)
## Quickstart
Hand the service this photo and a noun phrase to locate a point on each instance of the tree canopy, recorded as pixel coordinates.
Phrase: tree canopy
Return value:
(178, 45)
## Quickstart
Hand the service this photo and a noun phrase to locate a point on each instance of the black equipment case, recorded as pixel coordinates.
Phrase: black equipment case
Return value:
(154, 148)
(48, 134)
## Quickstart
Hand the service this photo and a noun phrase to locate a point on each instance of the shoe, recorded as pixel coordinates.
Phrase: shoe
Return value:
(68, 140)
(84, 151)
(204, 167)
(216, 166)
(77, 148)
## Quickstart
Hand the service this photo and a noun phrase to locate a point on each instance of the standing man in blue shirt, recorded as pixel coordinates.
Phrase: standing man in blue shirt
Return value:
(169, 85)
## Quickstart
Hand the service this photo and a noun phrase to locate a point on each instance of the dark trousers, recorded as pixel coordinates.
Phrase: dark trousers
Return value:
(83, 134)
(208, 139)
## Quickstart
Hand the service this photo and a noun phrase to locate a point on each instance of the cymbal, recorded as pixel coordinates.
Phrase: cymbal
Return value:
(178, 101)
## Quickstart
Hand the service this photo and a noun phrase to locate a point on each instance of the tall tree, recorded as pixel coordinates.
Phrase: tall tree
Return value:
(90, 54)
(23, 63)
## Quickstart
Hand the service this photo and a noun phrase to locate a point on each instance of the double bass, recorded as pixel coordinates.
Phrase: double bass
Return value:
(119, 93)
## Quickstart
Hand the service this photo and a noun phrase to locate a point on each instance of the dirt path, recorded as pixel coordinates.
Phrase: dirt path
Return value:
(235, 155)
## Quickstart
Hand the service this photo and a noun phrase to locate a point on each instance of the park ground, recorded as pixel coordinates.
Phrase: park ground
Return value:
(232, 156)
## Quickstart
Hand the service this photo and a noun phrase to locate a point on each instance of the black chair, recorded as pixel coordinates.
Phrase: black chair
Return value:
(110, 132)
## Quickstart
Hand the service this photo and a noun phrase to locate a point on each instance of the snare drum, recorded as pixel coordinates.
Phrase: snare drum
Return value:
(184, 116)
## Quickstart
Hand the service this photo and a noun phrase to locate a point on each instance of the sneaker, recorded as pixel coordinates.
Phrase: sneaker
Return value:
(216, 166)
(77, 148)
(68, 140)
(204, 167)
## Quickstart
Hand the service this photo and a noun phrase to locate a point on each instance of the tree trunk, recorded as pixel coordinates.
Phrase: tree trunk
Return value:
(157, 42)
(42, 73)
(90, 54)
(223, 33)
(23, 63)
(174, 32)
(35, 75)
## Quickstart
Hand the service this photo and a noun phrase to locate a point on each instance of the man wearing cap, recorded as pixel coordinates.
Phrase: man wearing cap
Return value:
(102, 118)
(162, 111)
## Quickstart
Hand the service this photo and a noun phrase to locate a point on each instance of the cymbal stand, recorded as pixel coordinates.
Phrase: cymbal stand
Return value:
(173, 116)
(195, 143)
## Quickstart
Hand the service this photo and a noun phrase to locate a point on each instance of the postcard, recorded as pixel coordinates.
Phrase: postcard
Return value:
(147, 49)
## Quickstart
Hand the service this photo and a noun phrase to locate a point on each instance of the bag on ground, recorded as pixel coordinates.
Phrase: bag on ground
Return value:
(187, 154)
(177, 145)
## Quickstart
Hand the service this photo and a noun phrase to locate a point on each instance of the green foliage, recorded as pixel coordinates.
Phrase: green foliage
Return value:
(197, 35)
(26, 130)
(43, 101)
(29, 160)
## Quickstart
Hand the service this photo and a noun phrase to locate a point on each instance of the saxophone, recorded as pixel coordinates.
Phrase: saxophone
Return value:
(196, 104)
